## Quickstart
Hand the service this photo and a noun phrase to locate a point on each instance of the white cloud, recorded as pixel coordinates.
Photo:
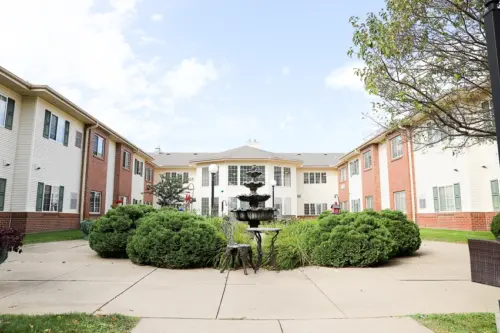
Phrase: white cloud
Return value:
(152, 40)
(84, 53)
(344, 77)
(187, 79)
(285, 71)
(156, 17)
(284, 124)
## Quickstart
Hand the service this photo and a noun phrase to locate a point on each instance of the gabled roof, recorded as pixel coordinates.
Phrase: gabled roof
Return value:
(245, 153)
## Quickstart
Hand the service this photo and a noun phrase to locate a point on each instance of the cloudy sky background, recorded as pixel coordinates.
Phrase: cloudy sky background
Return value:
(199, 75)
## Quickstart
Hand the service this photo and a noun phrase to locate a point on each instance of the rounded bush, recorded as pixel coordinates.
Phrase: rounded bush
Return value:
(86, 226)
(405, 233)
(360, 243)
(495, 226)
(326, 213)
(175, 240)
(109, 234)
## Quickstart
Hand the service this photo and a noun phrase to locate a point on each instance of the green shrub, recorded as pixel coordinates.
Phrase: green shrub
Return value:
(109, 234)
(85, 227)
(495, 226)
(292, 245)
(405, 233)
(175, 240)
(359, 240)
(326, 213)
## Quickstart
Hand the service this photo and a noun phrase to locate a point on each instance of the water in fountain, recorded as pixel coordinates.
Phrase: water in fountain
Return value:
(254, 214)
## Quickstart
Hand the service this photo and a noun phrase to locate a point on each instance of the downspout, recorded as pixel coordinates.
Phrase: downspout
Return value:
(83, 188)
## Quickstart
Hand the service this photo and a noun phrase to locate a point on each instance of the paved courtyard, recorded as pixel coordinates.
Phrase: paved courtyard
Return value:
(68, 277)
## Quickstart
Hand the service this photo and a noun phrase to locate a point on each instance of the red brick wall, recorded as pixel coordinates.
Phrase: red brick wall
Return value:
(40, 221)
(476, 221)
(344, 193)
(96, 173)
(147, 196)
(371, 178)
(123, 177)
(399, 173)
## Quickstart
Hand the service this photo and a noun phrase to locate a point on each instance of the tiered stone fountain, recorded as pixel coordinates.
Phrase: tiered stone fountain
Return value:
(255, 214)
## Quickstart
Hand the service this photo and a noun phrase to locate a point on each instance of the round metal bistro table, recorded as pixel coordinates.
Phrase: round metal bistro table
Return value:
(258, 236)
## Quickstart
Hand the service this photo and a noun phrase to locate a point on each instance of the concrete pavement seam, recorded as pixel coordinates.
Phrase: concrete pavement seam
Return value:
(222, 297)
(321, 291)
(126, 289)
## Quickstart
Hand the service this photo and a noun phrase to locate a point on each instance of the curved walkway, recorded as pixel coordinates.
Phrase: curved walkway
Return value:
(68, 277)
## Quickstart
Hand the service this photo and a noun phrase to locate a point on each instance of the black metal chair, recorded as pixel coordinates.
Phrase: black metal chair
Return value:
(233, 249)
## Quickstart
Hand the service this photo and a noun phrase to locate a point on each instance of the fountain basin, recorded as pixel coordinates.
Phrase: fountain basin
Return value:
(254, 214)
(253, 197)
(253, 185)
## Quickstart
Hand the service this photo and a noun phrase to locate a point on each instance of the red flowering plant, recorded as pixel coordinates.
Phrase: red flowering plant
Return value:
(11, 240)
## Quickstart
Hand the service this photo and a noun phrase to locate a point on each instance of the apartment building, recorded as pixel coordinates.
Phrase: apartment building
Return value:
(58, 164)
(306, 184)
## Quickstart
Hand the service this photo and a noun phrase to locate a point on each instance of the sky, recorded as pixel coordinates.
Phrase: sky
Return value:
(199, 75)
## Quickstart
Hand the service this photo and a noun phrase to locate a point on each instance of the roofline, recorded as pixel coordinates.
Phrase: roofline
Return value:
(38, 89)
(244, 159)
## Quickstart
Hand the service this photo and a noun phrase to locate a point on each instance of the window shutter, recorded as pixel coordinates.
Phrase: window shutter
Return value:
(9, 119)
(46, 124)
(61, 199)
(39, 197)
(436, 201)
(495, 195)
(3, 185)
(458, 199)
(66, 133)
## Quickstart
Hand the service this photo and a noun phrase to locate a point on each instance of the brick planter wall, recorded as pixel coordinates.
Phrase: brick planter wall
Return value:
(30, 222)
(475, 221)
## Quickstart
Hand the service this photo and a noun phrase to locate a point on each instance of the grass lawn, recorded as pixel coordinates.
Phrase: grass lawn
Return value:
(459, 323)
(52, 236)
(454, 236)
(67, 323)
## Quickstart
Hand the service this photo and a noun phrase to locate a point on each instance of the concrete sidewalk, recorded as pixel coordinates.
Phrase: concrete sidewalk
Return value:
(69, 277)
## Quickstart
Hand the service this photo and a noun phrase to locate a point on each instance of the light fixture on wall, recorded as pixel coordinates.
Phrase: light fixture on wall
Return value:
(456, 170)
(5, 163)
(36, 167)
(483, 166)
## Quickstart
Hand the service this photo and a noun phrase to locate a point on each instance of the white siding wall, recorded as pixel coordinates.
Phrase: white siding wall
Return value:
(435, 167)
(59, 165)
(355, 184)
(316, 193)
(110, 176)
(384, 176)
(8, 143)
(137, 181)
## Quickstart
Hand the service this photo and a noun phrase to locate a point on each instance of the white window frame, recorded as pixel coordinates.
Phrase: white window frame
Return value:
(148, 172)
(78, 139)
(354, 167)
(100, 142)
(369, 202)
(343, 174)
(398, 201)
(73, 204)
(53, 198)
(367, 155)
(287, 181)
(232, 178)
(205, 205)
(126, 159)
(3, 119)
(446, 204)
(92, 202)
(397, 147)
(278, 175)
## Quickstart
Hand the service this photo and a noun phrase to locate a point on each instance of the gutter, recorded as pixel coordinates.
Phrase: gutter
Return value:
(412, 180)
(83, 187)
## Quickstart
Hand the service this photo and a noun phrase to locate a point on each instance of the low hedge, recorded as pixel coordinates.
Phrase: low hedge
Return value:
(175, 240)
(495, 226)
(109, 234)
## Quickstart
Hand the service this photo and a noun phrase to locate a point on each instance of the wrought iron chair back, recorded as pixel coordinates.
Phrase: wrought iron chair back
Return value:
(228, 227)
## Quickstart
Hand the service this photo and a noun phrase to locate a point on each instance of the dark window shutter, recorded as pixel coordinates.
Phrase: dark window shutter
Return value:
(61, 199)
(3, 186)
(436, 201)
(458, 198)
(66, 133)
(46, 124)
(39, 197)
(142, 168)
(9, 119)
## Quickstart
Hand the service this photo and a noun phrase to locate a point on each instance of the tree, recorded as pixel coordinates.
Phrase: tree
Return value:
(427, 62)
(168, 191)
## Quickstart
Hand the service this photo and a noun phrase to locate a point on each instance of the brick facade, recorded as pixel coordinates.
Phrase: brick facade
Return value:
(399, 173)
(371, 178)
(476, 221)
(123, 176)
(96, 173)
(39, 221)
(344, 187)
(148, 197)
